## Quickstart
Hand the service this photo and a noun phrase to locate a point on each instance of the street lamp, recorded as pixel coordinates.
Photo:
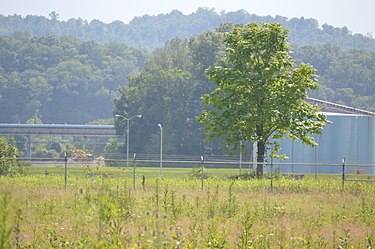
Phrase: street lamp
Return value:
(161, 149)
(127, 134)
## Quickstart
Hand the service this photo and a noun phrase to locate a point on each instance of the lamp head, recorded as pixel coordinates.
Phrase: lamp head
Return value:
(160, 126)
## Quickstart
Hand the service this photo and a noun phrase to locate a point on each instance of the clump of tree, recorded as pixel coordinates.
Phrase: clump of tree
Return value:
(152, 32)
(167, 91)
(9, 163)
(61, 79)
(260, 94)
(346, 76)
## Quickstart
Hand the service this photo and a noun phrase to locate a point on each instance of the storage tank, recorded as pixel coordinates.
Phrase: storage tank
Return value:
(348, 136)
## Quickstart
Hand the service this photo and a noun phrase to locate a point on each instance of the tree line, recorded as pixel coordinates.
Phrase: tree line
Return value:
(150, 32)
(42, 76)
(345, 76)
(65, 79)
(61, 79)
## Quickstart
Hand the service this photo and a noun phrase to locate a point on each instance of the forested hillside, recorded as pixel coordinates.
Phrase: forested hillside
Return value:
(150, 32)
(69, 71)
(61, 79)
(345, 76)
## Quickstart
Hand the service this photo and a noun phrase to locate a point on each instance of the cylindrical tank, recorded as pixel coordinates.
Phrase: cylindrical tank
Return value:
(346, 136)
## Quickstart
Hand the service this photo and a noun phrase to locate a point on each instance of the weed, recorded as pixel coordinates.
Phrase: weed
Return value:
(17, 229)
(215, 239)
(5, 220)
(231, 206)
(196, 172)
(103, 212)
(245, 240)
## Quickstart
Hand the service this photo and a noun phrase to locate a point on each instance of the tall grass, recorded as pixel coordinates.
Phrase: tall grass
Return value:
(102, 210)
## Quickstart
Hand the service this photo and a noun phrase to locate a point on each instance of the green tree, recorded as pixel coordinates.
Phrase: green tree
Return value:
(164, 92)
(261, 94)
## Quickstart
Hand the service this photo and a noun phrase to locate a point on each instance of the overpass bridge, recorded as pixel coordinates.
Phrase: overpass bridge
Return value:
(58, 129)
(71, 130)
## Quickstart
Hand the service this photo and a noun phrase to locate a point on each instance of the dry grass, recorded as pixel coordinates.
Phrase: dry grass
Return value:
(174, 213)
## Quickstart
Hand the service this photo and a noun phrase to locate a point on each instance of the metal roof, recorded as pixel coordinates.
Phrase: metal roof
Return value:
(330, 107)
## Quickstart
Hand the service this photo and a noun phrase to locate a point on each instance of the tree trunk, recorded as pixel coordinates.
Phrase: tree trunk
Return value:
(260, 158)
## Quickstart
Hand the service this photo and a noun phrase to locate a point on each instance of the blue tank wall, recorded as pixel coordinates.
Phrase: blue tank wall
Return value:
(348, 136)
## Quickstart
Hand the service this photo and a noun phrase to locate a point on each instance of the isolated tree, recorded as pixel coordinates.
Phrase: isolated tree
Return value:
(261, 94)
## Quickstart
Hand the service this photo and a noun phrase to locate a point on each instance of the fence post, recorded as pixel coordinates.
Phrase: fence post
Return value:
(144, 182)
(241, 145)
(316, 162)
(134, 172)
(271, 173)
(202, 173)
(343, 175)
(66, 168)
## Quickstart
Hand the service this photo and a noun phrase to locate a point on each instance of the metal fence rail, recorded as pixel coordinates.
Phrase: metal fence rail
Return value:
(152, 160)
(348, 172)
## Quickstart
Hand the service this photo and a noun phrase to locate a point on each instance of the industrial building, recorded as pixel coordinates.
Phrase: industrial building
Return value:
(349, 136)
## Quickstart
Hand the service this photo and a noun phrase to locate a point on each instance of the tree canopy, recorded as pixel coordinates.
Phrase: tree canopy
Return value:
(9, 165)
(167, 91)
(261, 94)
(152, 32)
(64, 79)
(61, 79)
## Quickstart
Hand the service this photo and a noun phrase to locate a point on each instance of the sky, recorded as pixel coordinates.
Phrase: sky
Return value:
(357, 15)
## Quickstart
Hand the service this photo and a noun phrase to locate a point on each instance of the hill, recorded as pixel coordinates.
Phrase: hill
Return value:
(69, 71)
(61, 79)
(151, 32)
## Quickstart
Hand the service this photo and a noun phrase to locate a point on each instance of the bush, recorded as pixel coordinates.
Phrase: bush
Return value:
(197, 172)
(9, 165)
(245, 176)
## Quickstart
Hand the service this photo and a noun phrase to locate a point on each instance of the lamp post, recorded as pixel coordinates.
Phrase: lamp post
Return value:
(127, 133)
(161, 149)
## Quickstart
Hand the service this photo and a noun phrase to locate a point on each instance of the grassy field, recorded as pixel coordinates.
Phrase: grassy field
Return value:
(100, 209)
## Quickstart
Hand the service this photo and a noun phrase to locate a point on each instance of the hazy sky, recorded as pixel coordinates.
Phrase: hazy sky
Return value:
(357, 15)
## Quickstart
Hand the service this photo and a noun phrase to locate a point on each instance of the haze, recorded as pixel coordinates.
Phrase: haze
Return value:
(358, 15)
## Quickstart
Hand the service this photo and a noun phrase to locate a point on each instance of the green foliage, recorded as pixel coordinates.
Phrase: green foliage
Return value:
(196, 172)
(61, 79)
(5, 220)
(245, 239)
(42, 152)
(151, 32)
(48, 77)
(9, 165)
(346, 76)
(245, 176)
(112, 148)
(260, 95)
(167, 91)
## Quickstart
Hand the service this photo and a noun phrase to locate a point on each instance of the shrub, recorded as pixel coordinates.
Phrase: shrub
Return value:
(9, 165)
(197, 172)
